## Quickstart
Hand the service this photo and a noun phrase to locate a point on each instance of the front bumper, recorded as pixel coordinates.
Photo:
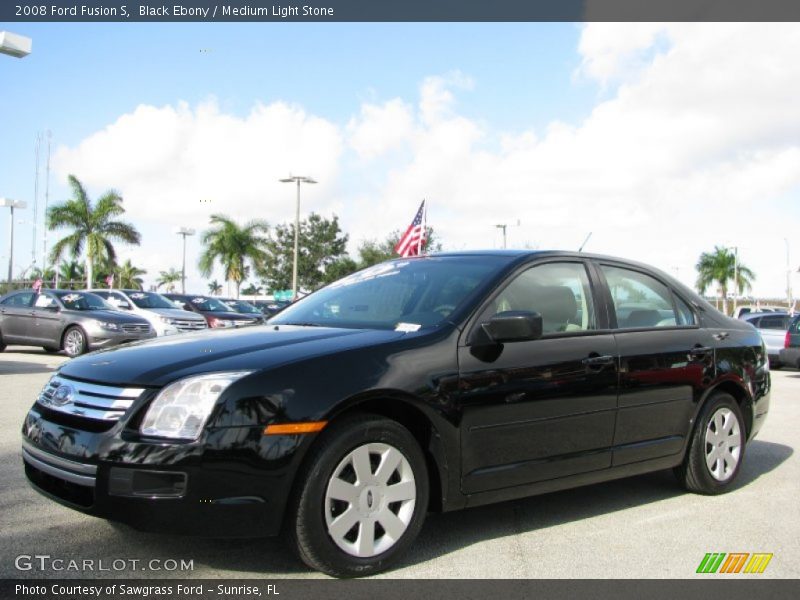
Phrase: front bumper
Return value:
(790, 357)
(235, 483)
(98, 338)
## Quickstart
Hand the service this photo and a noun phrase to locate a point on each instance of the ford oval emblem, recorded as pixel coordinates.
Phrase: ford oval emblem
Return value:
(63, 395)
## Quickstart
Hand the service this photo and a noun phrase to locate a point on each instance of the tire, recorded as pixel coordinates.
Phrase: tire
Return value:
(713, 461)
(2, 345)
(74, 342)
(328, 488)
(51, 349)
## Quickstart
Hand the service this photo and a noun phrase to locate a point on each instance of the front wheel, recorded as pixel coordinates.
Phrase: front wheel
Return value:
(74, 342)
(716, 449)
(362, 497)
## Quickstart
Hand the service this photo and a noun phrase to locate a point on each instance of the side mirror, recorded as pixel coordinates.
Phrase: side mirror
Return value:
(512, 326)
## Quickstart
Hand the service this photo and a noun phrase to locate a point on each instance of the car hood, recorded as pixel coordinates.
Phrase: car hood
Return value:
(113, 316)
(176, 313)
(158, 362)
(230, 316)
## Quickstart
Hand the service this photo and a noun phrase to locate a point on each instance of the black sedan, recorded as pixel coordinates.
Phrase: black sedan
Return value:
(417, 385)
(218, 315)
(245, 308)
(74, 322)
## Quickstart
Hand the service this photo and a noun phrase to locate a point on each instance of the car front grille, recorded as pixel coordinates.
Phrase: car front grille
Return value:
(88, 400)
(136, 328)
(189, 324)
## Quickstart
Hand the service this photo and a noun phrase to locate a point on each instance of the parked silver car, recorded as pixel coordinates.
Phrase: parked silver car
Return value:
(772, 326)
(74, 322)
(158, 310)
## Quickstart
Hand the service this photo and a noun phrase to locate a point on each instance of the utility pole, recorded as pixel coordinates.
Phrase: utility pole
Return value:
(183, 232)
(789, 295)
(503, 226)
(46, 205)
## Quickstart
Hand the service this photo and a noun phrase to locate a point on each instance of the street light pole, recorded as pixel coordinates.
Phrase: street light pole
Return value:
(183, 232)
(735, 277)
(12, 204)
(503, 226)
(789, 295)
(299, 179)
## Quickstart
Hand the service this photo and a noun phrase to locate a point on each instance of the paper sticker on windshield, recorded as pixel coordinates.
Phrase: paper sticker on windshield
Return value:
(407, 327)
(137, 296)
(199, 300)
(72, 297)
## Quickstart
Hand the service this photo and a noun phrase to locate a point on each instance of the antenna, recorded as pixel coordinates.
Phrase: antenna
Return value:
(584, 242)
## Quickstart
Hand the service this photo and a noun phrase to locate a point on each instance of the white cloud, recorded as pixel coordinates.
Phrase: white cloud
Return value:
(694, 144)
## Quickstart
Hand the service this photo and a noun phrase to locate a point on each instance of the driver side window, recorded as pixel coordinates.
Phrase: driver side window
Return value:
(560, 292)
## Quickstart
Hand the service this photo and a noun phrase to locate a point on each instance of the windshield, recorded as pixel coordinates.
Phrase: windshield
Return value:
(405, 294)
(209, 304)
(83, 301)
(242, 307)
(150, 300)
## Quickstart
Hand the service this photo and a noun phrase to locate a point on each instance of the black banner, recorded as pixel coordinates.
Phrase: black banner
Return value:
(399, 10)
(361, 589)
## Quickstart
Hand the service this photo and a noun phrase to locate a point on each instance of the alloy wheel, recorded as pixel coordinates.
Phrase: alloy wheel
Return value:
(370, 499)
(723, 442)
(73, 343)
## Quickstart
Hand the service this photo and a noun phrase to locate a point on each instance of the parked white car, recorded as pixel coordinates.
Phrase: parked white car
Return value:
(162, 314)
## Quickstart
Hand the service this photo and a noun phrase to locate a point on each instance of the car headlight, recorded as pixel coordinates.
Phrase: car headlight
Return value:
(167, 320)
(108, 325)
(181, 409)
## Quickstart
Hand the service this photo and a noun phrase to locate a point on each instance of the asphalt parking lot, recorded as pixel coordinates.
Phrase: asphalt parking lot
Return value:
(643, 527)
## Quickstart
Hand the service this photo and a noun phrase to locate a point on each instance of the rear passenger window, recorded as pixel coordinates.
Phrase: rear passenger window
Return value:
(685, 314)
(777, 322)
(23, 299)
(640, 301)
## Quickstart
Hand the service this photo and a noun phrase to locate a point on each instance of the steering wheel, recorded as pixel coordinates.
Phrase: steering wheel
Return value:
(444, 309)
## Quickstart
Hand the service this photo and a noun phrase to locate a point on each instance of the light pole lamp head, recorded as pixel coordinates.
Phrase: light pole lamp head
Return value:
(9, 203)
(298, 179)
(184, 231)
(15, 45)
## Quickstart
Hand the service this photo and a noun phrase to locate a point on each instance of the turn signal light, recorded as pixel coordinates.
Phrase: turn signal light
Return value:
(294, 428)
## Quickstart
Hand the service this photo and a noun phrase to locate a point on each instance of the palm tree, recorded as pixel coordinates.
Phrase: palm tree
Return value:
(720, 266)
(169, 279)
(130, 276)
(214, 288)
(93, 227)
(233, 246)
(71, 271)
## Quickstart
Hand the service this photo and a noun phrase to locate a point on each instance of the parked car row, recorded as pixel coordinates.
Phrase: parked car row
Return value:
(790, 353)
(79, 321)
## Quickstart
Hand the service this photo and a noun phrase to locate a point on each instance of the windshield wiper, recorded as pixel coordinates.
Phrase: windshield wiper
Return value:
(301, 324)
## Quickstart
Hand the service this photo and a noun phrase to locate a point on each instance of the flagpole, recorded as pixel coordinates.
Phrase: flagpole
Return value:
(424, 225)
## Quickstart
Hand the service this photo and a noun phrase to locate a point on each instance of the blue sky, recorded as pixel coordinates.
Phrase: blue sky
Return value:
(563, 127)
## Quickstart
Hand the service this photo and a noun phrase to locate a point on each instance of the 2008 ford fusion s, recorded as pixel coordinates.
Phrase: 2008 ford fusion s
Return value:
(426, 384)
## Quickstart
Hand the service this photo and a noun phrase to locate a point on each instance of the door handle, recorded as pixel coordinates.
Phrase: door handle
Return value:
(700, 352)
(598, 361)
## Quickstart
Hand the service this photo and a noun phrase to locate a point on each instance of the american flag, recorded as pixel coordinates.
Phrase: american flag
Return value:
(37, 285)
(110, 280)
(413, 240)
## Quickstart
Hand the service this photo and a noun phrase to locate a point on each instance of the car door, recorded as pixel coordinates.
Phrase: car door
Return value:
(666, 363)
(539, 409)
(48, 320)
(17, 317)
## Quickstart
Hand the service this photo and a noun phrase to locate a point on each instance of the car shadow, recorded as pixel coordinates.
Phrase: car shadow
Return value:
(442, 534)
(16, 367)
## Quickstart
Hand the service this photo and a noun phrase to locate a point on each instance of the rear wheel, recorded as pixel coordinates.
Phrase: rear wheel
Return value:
(2, 345)
(717, 447)
(361, 499)
(74, 343)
